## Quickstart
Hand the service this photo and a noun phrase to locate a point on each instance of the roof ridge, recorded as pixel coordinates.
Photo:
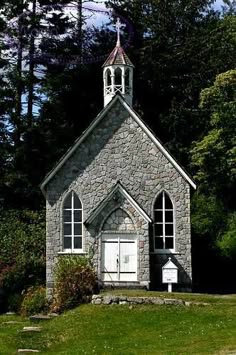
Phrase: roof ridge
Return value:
(140, 122)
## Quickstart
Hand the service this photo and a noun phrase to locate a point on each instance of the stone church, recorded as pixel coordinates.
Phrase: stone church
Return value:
(119, 196)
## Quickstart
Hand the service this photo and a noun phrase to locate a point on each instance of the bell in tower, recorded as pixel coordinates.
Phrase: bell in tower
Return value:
(118, 73)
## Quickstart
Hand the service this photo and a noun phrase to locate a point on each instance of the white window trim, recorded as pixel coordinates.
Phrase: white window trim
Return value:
(72, 250)
(163, 209)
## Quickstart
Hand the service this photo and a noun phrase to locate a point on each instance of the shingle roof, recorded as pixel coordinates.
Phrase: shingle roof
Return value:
(118, 57)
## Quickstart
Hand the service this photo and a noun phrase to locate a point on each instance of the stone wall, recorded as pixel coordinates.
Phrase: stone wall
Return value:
(127, 300)
(118, 221)
(119, 150)
(128, 221)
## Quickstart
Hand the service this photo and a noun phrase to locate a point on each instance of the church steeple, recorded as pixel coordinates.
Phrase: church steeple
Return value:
(118, 73)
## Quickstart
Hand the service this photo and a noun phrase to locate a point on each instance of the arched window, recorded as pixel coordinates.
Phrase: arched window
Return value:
(127, 78)
(108, 77)
(163, 223)
(72, 223)
(118, 76)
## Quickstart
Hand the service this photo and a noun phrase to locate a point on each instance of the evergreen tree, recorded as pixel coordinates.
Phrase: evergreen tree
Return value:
(22, 73)
(180, 47)
(214, 158)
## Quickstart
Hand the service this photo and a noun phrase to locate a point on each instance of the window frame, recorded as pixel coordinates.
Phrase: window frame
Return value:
(163, 223)
(127, 80)
(108, 75)
(118, 76)
(72, 222)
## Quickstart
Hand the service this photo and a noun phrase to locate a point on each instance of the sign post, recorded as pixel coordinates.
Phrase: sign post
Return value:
(170, 274)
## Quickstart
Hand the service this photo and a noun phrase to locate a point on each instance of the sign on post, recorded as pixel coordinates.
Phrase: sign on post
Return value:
(169, 274)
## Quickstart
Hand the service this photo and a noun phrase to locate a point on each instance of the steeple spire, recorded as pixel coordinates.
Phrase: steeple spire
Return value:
(118, 72)
(118, 26)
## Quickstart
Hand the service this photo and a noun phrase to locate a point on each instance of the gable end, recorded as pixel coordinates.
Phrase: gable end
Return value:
(92, 126)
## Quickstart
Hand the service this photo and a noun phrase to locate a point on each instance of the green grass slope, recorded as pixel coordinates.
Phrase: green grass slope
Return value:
(122, 329)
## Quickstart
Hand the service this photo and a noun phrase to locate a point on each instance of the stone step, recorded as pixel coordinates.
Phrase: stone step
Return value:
(10, 314)
(38, 317)
(31, 329)
(12, 322)
(24, 351)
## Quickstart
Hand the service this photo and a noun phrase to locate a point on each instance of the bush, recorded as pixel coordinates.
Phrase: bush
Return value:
(75, 282)
(227, 241)
(22, 250)
(12, 277)
(34, 301)
(14, 302)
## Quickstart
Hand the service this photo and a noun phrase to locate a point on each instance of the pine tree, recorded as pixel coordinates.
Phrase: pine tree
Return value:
(179, 48)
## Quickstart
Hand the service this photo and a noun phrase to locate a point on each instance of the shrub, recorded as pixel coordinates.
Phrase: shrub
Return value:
(22, 250)
(75, 282)
(227, 241)
(12, 277)
(34, 301)
(14, 302)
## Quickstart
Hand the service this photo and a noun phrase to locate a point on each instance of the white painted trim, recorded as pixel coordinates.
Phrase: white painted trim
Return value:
(166, 251)
(134, 203)
(71, 150)
(163, 209)
(72, 250)
(159, 145)
(127, 196)
(94, 124)
(116, 238)
(71, 253)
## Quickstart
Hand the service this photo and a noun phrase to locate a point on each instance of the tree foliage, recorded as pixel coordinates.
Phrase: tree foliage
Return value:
(180, 47)
(208, 216)
(214, 156)
(49, 93)
(227, 241)
(214, 159)
(22, 250)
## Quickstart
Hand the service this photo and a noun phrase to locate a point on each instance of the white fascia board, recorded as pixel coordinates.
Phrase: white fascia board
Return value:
(100, 208)
(133, 203)
(159, 145)
(71, 150)
(93, 125)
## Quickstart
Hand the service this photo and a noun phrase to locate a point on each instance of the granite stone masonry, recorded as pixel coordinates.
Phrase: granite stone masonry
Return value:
(119, 151)
(111, 299)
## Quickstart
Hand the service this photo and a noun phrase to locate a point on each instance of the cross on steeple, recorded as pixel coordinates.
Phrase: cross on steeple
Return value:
(118, 26)
(118, 72)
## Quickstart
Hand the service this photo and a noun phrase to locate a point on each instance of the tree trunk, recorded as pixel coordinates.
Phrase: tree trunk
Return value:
(19, 85)
(31, 67)
(79, 28)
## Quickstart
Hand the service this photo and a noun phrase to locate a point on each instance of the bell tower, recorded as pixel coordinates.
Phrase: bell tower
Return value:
(118, 73)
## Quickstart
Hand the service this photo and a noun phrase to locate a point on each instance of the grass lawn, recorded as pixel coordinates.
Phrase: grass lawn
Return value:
(140, 329)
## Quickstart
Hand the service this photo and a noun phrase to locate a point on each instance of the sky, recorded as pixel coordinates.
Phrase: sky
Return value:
(98, 14)
(100, 18)
(218, 4)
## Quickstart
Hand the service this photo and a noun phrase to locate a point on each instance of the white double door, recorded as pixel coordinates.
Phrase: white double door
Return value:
(119, 257)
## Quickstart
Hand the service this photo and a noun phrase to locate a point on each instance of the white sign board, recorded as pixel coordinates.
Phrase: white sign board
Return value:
(169, 276)
(169, 273)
